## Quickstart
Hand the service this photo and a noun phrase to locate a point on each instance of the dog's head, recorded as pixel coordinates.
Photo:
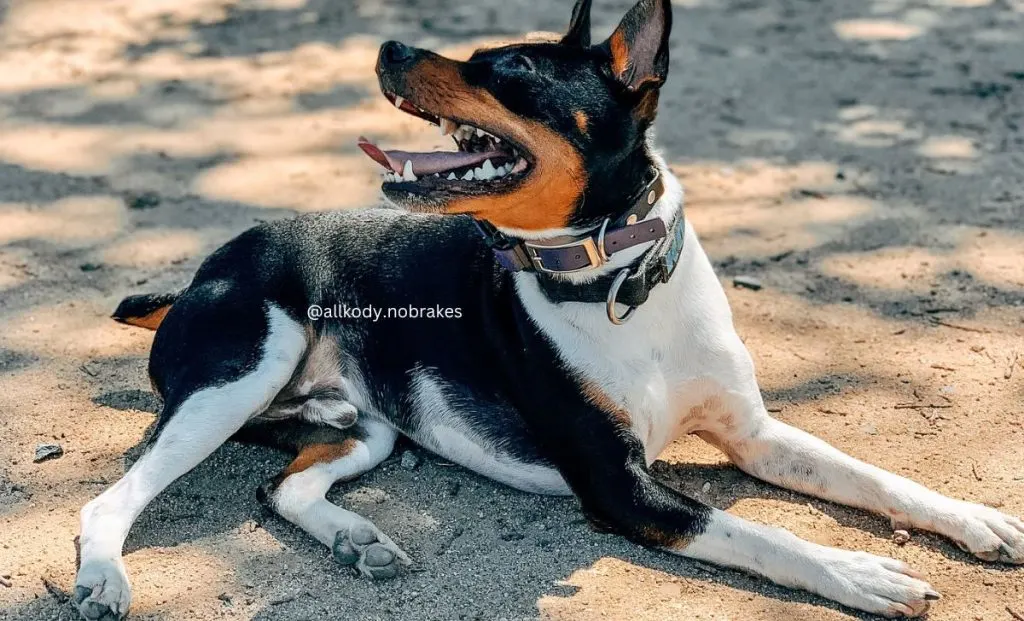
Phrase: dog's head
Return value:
(549, 135)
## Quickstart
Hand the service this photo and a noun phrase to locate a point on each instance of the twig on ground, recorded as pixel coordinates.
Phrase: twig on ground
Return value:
(5, 582)
(1013, 363)
(974, 471)
(943, 367)
(812, 193)
(941, 322)
(1013, 613)
(918, 406)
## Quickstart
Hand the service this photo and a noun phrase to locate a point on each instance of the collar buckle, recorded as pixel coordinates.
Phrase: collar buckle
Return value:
(586, 245)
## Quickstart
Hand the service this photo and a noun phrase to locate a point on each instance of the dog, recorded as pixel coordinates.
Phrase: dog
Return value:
(568, 328)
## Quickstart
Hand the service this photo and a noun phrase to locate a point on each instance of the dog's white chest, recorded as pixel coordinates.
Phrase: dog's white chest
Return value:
(657, 366)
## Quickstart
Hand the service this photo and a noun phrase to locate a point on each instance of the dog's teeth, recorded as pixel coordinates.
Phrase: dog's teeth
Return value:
(468, 176)
(437, 175)
(407, 172)
(520, 166)
(488, 171)
(496, 139)
(398, 102)
(480, 133)
(451, 176)
(478, 172)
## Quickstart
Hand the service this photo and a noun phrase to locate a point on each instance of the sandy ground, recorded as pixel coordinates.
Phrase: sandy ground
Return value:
(864, 159)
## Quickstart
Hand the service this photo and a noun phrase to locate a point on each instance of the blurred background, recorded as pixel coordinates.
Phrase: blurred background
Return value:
(863, 161)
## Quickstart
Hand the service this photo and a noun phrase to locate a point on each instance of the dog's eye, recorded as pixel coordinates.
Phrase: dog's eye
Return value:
(522, 63)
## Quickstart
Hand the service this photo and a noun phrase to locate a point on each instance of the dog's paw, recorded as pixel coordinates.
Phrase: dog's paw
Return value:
(987, 533)
(876, 584)
(364, 547)
(101, 591)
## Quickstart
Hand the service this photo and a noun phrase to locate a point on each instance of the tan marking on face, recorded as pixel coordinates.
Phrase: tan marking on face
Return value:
(620, 53)
(315, 454)
(582, 121)
(151, 321)
(597, 397)
(548, 196)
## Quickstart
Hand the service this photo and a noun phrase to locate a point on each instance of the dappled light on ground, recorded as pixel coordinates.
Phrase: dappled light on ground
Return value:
(862, 160)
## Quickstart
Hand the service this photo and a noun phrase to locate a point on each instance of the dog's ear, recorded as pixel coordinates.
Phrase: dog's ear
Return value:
(579, 26)
(639, 46)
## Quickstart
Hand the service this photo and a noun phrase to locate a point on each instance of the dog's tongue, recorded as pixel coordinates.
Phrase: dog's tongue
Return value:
(424, 163)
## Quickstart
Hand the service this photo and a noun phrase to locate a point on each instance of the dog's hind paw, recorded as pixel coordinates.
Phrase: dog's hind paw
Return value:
(364, 547)
(102, 592)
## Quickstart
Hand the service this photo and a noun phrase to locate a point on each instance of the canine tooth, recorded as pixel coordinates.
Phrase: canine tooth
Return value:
(480, 133)
(488, 170)
(407, 172)
(451, 176)
(398, 102)
(520, 165)
(468, 176)
(496, 139)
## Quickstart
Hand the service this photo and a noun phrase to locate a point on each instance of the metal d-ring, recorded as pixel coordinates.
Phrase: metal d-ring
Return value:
(601, 252)
(613, 292)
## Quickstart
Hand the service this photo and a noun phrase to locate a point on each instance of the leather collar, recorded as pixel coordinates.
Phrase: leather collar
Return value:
(569, 254)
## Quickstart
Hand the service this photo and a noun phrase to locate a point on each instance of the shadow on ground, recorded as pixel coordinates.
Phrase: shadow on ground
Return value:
(866, 162)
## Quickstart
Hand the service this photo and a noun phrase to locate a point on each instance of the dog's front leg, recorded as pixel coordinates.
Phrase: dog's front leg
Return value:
(788, 457)
(605, 465)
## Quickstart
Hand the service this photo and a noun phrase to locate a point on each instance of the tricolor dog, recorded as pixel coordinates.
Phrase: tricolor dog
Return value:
(592, 332)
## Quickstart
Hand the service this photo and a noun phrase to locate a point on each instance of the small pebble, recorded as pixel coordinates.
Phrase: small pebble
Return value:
(410, 461)
(747, 282)
(141, 200)
(900, 537)
(48, 451)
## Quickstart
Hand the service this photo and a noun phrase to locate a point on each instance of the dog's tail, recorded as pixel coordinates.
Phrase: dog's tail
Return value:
(146, 310)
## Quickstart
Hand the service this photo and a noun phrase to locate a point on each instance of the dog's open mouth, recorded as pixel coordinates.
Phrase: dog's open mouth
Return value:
(484, 162)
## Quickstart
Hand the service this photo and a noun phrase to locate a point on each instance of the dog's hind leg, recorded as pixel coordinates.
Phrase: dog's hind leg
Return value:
(207, 399)
(298, 494)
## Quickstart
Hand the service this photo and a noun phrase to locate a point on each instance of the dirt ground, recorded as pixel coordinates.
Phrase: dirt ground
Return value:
(865, 160)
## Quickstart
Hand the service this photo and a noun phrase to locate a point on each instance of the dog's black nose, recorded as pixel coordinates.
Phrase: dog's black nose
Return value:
(395, 53)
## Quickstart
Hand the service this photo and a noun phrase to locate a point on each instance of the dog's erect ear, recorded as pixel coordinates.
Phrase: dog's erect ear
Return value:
(639, 46)
(579, 26)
